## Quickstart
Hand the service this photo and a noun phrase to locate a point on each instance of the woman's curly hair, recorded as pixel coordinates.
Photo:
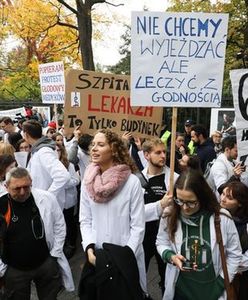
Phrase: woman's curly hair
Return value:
(120, 152)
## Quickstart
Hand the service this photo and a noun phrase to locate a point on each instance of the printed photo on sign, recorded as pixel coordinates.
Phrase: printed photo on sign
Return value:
(75, 99)
(223, 120)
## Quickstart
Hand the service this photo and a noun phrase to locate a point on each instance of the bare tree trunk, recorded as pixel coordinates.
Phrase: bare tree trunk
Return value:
(85, 34)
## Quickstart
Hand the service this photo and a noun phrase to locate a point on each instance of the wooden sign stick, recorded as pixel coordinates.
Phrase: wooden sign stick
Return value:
(173, 148)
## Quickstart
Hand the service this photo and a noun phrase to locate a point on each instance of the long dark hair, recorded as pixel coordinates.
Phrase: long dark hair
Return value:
(194, 181)
(63, 155)
(239, 191)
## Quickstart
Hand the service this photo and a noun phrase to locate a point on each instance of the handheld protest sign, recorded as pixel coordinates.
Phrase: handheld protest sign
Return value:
(239, 80)
(99, 100)
(177, 60)
(52, 82)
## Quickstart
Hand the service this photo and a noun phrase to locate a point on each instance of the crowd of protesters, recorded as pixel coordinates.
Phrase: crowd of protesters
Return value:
(116, 190)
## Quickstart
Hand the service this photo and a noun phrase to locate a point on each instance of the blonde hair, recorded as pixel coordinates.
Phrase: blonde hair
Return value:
(216, 132)
(6, 148)
(149, 143)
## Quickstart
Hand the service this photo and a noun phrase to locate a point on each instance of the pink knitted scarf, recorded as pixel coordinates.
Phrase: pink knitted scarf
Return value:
(102, 187)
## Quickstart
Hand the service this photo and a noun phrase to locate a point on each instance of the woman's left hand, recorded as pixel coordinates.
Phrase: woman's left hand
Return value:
(166, 200)
(91, 256)
(178, 260)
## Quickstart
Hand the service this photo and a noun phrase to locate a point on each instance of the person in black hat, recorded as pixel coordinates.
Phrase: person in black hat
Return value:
(187, 128)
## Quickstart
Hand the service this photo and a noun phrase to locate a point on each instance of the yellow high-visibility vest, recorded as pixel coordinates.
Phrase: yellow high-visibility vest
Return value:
(165, 136)
(191, 147)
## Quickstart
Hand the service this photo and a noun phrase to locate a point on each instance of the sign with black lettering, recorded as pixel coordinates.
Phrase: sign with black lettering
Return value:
(52, 82)
(177, 59)
(239, 79)
(99, 100)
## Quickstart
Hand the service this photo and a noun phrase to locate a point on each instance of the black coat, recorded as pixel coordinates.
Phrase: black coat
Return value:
(115, 276)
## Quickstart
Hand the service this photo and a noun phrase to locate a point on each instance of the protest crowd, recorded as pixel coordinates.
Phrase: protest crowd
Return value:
(116, 190)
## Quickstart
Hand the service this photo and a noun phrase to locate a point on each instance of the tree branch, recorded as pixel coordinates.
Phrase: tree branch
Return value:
(116, 5)
(103, 1)
(67, 25)
(68, 6)
(68, 46)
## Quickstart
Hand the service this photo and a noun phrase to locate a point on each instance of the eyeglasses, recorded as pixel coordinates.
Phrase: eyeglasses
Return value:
(189, 204)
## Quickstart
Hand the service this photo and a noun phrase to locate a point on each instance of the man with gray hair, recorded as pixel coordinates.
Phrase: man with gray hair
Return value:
(33, 240)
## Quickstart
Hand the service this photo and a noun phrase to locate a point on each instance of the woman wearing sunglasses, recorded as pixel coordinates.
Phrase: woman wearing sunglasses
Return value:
(187, 242)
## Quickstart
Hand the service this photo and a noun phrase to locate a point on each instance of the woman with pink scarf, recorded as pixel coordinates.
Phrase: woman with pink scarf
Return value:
(112, 205)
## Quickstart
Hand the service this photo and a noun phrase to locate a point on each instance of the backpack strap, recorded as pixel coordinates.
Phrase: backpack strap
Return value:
(144, 182)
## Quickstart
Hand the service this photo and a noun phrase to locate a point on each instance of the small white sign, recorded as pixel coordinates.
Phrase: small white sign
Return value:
(52, 82)
(177, 59)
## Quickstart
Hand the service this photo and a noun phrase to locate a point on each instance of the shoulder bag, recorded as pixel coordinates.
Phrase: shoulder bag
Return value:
(231, 295)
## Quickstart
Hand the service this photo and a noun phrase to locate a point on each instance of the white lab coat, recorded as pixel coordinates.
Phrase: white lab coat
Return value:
(3, 190)
(231, 244)
(55, 231)
(120, 221)
(48, 173)
(153, 211)
(71, 188)
(84, 160)
(222, 171)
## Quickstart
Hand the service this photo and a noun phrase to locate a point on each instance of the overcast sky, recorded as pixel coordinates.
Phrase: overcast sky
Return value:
(106, 52)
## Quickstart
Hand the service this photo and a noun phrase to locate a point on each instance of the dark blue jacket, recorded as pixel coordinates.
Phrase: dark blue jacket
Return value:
(206, 153)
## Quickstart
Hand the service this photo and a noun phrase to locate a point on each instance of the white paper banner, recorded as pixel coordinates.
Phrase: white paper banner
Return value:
(13, 113)
(52, 82)
(239, 79)
(177, 59)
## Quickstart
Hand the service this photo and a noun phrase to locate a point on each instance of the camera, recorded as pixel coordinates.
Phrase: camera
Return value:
(19, 117)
